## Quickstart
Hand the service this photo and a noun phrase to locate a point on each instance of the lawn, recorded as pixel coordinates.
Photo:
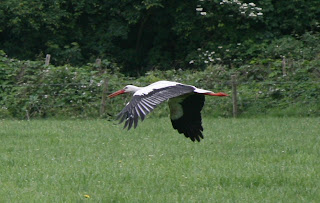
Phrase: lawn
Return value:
(240, 160)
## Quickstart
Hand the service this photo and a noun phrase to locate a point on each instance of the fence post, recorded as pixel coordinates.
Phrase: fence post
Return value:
(48, 56)
(98, 62)
(284, 71)
(104, 90)
(27, 115)
(234, 95)
(104, 96)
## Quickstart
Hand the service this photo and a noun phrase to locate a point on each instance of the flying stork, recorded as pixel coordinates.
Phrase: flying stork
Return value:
(185, 104)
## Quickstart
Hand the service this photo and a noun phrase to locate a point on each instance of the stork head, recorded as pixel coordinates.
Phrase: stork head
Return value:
(128, 88)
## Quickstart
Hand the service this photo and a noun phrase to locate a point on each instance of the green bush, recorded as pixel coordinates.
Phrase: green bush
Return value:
(29, 89)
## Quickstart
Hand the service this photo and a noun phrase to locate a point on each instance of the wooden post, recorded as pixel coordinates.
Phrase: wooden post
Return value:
(234, 95)
(104, 96)
(104, 90)
(284, 71)
(27, 115)
(98, 62)
(48, 56)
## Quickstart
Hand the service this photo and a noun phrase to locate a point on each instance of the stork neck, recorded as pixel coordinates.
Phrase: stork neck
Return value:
(132, 88)
(135, 88)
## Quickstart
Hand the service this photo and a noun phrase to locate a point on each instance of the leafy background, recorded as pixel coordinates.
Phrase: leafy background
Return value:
(272, 47)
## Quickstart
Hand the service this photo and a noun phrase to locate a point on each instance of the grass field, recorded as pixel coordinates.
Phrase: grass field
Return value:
(240, 160)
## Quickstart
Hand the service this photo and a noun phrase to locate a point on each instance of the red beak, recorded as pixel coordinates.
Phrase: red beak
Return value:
(116, 93)
(219, 94)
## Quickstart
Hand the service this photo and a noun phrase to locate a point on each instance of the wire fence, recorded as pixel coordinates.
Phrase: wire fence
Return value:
(89, 99)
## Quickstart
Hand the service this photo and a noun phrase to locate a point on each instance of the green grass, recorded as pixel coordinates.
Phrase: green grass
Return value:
(242, 160)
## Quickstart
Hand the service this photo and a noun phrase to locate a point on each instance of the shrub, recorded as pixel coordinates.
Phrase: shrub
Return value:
(31, 89)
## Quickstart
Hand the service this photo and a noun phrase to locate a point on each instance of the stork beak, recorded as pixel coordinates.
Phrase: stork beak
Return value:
(116, 93)
(219, 94)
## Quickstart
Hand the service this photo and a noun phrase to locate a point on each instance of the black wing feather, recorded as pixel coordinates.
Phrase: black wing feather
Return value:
(190, 123)
(142, 114)
(130, 123)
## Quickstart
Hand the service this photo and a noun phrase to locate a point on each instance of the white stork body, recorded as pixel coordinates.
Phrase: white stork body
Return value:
(185, 103)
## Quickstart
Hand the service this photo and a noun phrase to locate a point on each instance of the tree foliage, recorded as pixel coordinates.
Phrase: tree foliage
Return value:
(149, 34)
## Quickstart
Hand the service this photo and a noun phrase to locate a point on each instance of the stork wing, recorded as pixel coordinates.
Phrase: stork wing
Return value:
(189, 121)
(142, 104)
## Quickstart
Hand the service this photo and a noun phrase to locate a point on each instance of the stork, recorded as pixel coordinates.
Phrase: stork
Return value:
(185, 104)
